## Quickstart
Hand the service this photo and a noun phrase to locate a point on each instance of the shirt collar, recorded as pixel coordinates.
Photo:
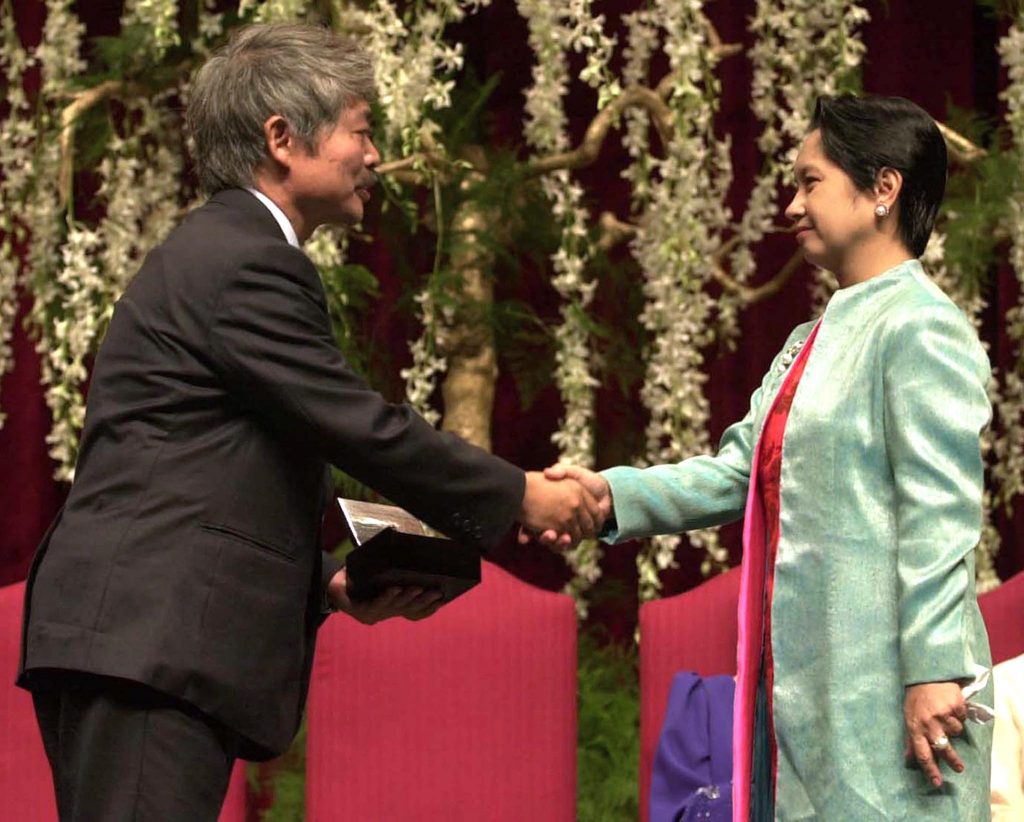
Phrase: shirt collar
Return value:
(282, 220)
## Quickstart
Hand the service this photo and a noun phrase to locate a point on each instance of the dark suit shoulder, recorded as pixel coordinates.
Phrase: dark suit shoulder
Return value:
(236, 229)
(213, 244)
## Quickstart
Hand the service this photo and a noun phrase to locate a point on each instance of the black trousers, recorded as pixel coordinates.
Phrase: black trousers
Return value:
(122, 752)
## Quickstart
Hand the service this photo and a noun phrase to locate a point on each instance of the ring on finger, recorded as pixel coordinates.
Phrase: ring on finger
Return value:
(940, 743)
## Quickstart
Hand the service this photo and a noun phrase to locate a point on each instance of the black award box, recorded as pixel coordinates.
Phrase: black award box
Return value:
(394, 549)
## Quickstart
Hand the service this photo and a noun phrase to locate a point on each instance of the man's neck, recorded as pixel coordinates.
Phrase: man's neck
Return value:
(279, 194)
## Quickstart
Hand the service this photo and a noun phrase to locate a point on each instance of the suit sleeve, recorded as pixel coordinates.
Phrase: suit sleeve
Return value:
(935, 407)
(271, 340)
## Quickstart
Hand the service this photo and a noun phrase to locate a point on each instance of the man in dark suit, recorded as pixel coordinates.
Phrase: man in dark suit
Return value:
(173, 605)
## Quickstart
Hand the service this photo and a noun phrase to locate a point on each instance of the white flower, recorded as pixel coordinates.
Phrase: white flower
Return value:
(1008, 446)
(158, 18)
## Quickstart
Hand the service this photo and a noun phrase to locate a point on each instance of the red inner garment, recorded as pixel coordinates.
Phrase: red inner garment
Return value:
(769, 477)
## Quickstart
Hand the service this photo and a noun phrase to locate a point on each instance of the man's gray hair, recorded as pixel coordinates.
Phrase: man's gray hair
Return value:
(306, 74)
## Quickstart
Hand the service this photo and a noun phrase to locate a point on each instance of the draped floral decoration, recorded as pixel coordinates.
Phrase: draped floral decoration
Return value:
(33, 209)
(552, 30)
(414, 65)
(682, 200)
(1008, 471)
(16, 142)
(72, 266)
(804, 49)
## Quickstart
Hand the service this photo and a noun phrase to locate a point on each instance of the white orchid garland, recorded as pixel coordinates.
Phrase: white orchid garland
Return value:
(58, 57)
(803, 49)
(413, 67)
(158, 18)
(685, 217)
(140, 190)
(1008, 470)
(74, 272)
(273, 11)
(553, 30)
(642, 42)
(17, 133)
(78, 271)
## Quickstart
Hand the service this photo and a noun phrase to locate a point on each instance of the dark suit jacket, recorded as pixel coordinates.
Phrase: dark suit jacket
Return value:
(186, 556)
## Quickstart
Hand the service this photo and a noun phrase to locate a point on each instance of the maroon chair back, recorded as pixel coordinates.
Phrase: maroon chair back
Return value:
(693, 631)
(1003, 611)
(236, 802)
(26, 785)
(465, 716)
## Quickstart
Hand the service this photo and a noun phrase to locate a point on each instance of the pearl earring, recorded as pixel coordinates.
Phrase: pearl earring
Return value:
(881, 210)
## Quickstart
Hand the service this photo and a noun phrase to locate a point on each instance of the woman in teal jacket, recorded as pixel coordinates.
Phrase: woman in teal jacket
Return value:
(859, 472)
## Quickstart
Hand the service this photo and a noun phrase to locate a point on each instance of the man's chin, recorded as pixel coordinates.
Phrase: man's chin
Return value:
(350, 215)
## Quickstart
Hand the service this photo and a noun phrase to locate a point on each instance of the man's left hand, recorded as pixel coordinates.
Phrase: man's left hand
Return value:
(408, 603)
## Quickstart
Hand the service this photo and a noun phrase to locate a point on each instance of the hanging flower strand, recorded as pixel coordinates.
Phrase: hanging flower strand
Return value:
(552, 30)
(682, 229)
(16, 162)
(803, 49)
(1008, 470)
(413, 68)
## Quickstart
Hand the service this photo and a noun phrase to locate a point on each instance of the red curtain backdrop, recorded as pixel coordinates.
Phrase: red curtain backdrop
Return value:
(935, 52)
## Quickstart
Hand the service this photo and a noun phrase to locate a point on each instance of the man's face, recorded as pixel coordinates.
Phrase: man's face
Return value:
(832, 216)
(332, 183)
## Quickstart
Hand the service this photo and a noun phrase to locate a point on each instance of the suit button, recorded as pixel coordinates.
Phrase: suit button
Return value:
(457, 519)
(478, 532)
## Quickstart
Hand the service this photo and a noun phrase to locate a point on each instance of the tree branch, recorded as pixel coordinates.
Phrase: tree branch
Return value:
(749, 295)
(80, 103)
(722, 50)
(588, 150)
(613, 231)
(962, 149)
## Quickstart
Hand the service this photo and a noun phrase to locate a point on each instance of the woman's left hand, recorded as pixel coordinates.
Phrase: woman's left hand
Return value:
(934, 712)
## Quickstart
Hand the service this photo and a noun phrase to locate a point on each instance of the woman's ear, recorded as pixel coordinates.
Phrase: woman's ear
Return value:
(888, 184)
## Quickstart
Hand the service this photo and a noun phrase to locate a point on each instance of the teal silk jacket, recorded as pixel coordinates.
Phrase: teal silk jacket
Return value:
(881, 490)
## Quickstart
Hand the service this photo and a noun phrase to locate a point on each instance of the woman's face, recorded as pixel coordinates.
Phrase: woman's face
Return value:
(832, 216)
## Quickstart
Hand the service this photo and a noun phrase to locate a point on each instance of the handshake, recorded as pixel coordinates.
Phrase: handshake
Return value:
(563, 505)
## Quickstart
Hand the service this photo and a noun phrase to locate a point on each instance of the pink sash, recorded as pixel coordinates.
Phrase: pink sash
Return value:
(751, 613)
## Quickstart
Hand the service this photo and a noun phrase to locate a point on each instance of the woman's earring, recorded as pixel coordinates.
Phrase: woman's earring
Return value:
(881, 210)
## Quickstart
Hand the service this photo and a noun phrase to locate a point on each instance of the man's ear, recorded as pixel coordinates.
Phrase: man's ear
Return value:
(888, 184)
(280, 139)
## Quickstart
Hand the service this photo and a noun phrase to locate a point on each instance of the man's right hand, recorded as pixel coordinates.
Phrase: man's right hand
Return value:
(594, 496)
(566, 509)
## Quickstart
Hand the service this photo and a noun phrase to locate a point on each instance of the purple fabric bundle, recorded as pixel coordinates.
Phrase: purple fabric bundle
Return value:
(692, 775)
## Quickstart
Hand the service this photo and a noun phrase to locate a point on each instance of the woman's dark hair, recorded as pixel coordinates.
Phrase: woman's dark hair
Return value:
(863, 135)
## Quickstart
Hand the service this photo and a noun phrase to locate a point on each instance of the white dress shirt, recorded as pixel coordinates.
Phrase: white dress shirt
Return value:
(282, 220)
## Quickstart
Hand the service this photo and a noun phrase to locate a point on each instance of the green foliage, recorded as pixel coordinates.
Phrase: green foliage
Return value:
(289, 784)
(463, 123)
(93, 131)
(527, 349)
(974, 211)
(609, 737)
(351, 291)
(121, 56)
(1003, 8)
(129, 57)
